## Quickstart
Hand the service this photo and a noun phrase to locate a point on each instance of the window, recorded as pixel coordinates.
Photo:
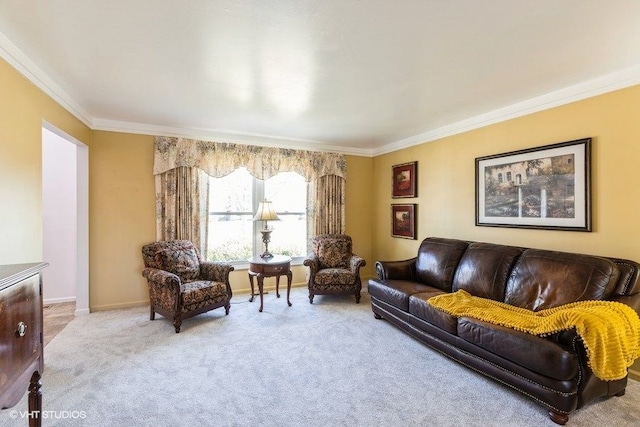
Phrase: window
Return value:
(233, 236)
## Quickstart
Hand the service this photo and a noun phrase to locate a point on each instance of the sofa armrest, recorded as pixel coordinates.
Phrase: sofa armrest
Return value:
(398, 270)
(215, 271)
(163, 278)
(632, 300)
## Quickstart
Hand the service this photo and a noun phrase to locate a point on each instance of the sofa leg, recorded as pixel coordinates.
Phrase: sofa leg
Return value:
(621, 392)
(226, 309)
(152, 313)
(377, 316)
(358, 298)
(558, 418)
(310, 298)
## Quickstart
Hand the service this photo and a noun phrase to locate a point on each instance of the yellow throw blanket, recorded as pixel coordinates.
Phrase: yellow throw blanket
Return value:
(610, 330)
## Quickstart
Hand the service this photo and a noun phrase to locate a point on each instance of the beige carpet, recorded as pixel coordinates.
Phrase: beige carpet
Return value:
(326, 364)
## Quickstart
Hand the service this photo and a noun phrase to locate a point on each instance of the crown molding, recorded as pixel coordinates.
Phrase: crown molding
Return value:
(227, 136)
(590, 88)
(18, 60)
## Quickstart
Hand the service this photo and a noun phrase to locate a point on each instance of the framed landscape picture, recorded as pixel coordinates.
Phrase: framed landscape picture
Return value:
(403, 221)
(547, 187)
(404, 180)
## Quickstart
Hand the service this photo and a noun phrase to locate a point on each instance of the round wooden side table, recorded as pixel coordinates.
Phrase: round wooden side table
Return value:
(276, 266)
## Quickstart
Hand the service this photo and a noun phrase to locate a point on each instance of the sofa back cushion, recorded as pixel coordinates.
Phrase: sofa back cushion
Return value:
(484, 269)
(437, 261)
(545, 279)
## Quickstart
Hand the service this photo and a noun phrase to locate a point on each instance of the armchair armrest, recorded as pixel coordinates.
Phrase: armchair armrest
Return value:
(312, 263)
(163, 278)
(400, 270)
(215, 271)
(356, 262)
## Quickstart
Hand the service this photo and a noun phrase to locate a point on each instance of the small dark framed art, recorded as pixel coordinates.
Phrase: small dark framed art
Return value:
(546, 187)
(404, 180)
(403, 221)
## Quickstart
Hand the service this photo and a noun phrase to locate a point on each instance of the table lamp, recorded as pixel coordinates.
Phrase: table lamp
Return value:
(266, 213)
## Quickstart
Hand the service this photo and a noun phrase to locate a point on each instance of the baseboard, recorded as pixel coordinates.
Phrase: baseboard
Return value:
(58, 300)
(634, 375)
(120, 306)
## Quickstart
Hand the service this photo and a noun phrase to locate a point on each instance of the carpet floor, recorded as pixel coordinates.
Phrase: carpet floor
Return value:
(326, 364)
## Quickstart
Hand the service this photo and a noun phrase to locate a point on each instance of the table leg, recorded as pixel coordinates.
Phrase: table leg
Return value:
(289, 279)
(260, 288)
(277, 286)
(251, 281)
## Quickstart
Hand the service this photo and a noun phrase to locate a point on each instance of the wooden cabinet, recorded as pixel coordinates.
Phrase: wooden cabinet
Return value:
(21, 342)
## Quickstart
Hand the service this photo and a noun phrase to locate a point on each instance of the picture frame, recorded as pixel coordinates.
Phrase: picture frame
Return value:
(404, 180)
(403, 221)
(547, 187)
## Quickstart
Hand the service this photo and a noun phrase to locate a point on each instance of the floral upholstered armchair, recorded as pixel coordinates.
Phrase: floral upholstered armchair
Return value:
(181, 285)
(333, 268)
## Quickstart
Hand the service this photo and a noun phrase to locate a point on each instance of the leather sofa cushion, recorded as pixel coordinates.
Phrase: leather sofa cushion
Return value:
(484, 269)
(535, 353)
(546, 279)
(395, 292)
(437, 261)
(419, 307)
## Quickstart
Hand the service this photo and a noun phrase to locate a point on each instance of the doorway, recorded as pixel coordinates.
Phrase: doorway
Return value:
(65, 206)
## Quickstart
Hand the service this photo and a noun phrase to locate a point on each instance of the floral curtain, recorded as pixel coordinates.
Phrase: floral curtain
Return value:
(181, 166)
(328, 203)
(218, 159)
(182, 199)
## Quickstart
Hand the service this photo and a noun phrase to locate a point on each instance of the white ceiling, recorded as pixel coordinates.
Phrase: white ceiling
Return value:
(356, 76)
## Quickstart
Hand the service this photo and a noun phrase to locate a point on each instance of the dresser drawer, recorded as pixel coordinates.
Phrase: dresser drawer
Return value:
(20, 337)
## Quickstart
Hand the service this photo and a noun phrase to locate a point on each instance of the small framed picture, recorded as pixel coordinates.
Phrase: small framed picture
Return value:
(403, 221)
(404, 180)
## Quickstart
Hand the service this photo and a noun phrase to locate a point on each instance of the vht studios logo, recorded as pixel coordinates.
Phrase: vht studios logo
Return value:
(56, 415)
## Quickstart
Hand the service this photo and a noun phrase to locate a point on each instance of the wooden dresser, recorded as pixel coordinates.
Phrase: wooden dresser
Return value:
(21, 345)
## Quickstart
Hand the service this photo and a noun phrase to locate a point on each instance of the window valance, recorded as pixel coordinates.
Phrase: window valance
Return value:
(218, 159)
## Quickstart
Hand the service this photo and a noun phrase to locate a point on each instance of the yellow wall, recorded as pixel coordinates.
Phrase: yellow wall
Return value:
(446, 179)
(122, 218)
(23, 107)
(122, 205)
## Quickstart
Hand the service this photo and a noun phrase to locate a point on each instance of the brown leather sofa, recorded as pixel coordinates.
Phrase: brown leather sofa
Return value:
(552, 370)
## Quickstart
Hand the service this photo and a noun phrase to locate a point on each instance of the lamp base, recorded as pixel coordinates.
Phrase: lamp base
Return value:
(266, 237)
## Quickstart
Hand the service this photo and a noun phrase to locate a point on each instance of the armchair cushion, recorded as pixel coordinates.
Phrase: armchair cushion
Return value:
(202, 292)
(181, 261)
(335, 276)
(333, 252)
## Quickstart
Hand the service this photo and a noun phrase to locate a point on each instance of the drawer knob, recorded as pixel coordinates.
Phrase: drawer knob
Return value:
(22, 329)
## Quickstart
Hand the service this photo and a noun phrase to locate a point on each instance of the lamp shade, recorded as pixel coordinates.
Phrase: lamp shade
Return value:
(266, 212)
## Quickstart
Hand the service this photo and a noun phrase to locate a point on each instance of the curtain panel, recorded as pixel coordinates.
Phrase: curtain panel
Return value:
(182, 200)
(182, 166)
